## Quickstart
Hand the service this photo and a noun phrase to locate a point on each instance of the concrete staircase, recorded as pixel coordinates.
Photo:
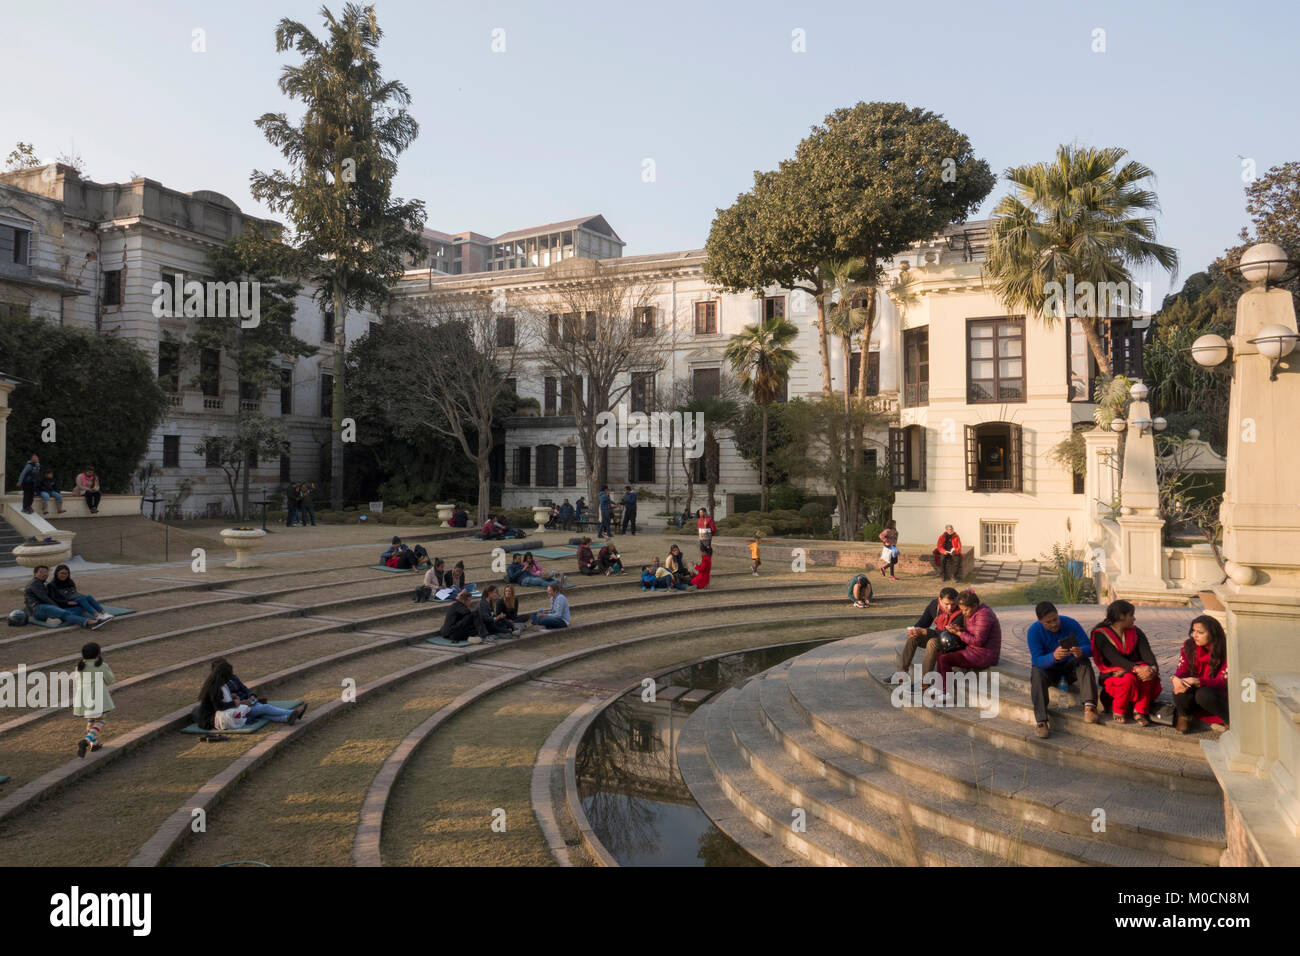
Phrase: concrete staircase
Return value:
(880, 784)
(9, 539)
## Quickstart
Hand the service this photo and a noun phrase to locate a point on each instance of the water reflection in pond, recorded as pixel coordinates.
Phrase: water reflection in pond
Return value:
(628, 781)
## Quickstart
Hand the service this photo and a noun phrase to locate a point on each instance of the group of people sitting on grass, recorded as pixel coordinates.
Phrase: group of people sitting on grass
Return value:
(958, 631)
(57, 597)
(497, 614)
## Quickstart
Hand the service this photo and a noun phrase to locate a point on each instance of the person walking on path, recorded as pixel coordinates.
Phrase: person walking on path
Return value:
(889, 553)
(606, 512)
(92, 700)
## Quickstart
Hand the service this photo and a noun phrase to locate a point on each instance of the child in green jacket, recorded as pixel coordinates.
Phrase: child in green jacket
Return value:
(92, 700)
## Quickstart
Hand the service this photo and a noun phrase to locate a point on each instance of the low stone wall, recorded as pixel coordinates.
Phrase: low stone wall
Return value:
(914, 559)
(74, 506)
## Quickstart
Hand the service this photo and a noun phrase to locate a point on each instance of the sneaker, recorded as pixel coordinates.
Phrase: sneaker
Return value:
(104, 616)
(1042, 730)
(95, 747)
(296, 714)
(1218, 728)
(82, 744)
(755, 574)
(475, 639)
(564, 580)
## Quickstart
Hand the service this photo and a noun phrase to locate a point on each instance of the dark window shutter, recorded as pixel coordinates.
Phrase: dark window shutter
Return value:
(920, 467)
(897, 458)
(570, 466)
(873, 373)
(1016, 456)
(972, 459)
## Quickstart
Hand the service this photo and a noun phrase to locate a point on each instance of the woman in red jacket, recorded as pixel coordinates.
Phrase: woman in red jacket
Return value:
(980, 631)
(707, 529)
(586, 560)
(1201, 681)
(1127, 665)
(701, 579)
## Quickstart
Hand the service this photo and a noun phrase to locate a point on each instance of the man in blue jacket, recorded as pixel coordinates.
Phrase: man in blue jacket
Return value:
(1059, 647)
(606, 512)
(629, 508)
(28, 479)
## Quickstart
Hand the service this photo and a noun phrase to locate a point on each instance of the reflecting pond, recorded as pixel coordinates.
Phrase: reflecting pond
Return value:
(628, 781)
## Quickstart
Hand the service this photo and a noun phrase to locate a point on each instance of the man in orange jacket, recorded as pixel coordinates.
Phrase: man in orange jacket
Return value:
(948, 551)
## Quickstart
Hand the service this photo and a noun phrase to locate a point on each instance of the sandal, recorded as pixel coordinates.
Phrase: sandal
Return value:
(1143, 720)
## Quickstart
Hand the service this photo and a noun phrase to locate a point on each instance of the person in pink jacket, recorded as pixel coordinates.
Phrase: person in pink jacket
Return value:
(980, 631)
(1201, 681)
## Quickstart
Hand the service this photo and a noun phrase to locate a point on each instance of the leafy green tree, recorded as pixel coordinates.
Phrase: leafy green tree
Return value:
(761, 358)
(870, 181)
(255, 435)
(1084, 216)
(353, 237)
(23, 156)
(748, 435)
(102, 394)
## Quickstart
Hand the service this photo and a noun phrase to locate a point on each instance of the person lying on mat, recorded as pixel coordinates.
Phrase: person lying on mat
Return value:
(41, 604)
(64, 590)
(219, 709)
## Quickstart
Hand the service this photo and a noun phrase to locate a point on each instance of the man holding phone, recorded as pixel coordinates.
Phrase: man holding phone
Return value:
(1059, 647)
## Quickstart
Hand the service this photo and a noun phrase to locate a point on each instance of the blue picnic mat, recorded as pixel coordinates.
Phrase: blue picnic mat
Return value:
(560, 551)
(384, 567)
(54, 622)
(248, 728)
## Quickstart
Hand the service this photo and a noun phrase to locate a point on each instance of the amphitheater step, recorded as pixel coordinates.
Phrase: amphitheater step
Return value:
(888, 785)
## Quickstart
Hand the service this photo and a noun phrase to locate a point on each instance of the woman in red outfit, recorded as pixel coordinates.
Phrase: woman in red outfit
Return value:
(1128, 669)
(980, 630)
(706, 528)
(1201, 681)
(701, 579)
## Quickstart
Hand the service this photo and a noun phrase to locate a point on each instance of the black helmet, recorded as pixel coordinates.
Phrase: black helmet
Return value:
(17, 618)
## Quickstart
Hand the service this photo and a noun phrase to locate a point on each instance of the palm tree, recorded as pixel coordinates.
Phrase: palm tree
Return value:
(845, 284)
(1085, 216)
(761, 358)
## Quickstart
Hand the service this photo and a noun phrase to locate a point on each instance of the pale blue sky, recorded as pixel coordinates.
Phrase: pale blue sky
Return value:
(559, 124)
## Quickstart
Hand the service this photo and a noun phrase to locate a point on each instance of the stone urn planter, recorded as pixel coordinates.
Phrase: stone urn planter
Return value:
(541, 514)
(34, 555)
(444, 514)
(245, 541)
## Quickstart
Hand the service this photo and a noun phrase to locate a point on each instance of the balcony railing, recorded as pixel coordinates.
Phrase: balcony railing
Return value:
(250, 405)
(175, 400)
(214, 404)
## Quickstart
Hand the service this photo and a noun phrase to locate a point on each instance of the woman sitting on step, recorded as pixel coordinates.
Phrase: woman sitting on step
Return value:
(63, 588)
(676, 564)
(1201, 681)
(507, 607)
(586, 560)
(980, 632)
(221, 709)
(1128, 669)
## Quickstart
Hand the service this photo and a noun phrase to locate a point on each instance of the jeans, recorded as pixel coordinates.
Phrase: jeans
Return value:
(548, 620)
(604, 524)
(277, 714)
(88, 604)
(629, 518)
(309, 512)
(294, 515)
(92, 500)
(47, 495)
(533, 581)
(65, 614)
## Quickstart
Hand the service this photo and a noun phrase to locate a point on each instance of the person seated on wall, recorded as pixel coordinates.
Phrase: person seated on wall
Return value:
(609, 560)
(461, 623)
(701, 579)
(1059, 649)
(398, 555)
(1129, 672)
(586, 560)
(553, 519)
(860, 590)
(88, 487)
(567, 515)
(47, 489)
(1201, 681)
(980, 632)
(558, 613)
(929, 631)
(947, 553)
(63, 589)
(459, 517)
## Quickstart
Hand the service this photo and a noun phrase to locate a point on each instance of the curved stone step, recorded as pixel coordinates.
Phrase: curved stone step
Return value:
(1013, 726)
(1006, 835)
(830, 689)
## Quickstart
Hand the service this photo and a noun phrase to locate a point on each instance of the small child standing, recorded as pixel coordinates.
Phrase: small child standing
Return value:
(92, 700)
(755, 553)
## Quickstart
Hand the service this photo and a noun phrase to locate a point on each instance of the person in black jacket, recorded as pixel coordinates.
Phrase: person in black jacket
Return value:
(488, 617)
(63, 589)
(925, 632)
(41, 604)
(461, 623)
